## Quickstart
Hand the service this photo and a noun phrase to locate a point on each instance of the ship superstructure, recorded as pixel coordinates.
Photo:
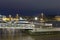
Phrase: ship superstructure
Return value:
(19, 23)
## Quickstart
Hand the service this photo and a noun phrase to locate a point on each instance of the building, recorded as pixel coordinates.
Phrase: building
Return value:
(57, 18)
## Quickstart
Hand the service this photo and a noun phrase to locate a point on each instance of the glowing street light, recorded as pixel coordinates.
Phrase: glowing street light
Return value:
(36, 18)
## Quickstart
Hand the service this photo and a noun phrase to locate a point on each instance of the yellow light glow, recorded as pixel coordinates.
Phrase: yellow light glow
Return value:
(5, 19)
(15, 19)
(58, 19)
(41, 19)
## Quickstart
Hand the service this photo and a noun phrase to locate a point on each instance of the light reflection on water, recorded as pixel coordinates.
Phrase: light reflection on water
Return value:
(24, 36)
(15, 36)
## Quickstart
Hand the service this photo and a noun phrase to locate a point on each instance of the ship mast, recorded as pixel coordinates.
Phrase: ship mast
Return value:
(17, 16)
(42, 17)
(42, 20)
(10, 17)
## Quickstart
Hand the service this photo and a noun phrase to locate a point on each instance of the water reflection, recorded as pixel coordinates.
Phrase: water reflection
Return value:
(14, 35)
(19, 35)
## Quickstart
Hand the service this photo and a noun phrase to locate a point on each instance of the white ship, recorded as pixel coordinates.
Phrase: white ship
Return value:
(13, 25)
(44, 26)
(40, 26)
(19, 24)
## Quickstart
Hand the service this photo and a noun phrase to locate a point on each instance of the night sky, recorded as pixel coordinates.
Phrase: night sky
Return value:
(29, 7)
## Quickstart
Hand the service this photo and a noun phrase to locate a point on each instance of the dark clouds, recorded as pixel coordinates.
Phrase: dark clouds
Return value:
(38, 4)
(32, 7)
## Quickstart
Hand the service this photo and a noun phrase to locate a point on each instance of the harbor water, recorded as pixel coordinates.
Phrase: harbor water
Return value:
(19, 35)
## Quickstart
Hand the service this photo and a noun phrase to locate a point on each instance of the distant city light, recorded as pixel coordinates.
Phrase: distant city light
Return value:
(57, 18)
(41, 19)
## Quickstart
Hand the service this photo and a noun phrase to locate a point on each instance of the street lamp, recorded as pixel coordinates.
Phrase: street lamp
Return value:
(36, 18)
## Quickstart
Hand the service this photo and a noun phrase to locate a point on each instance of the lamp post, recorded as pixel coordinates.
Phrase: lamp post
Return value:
(36, 18)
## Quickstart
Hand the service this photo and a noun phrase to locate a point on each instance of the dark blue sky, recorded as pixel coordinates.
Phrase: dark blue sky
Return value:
(30, 7)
